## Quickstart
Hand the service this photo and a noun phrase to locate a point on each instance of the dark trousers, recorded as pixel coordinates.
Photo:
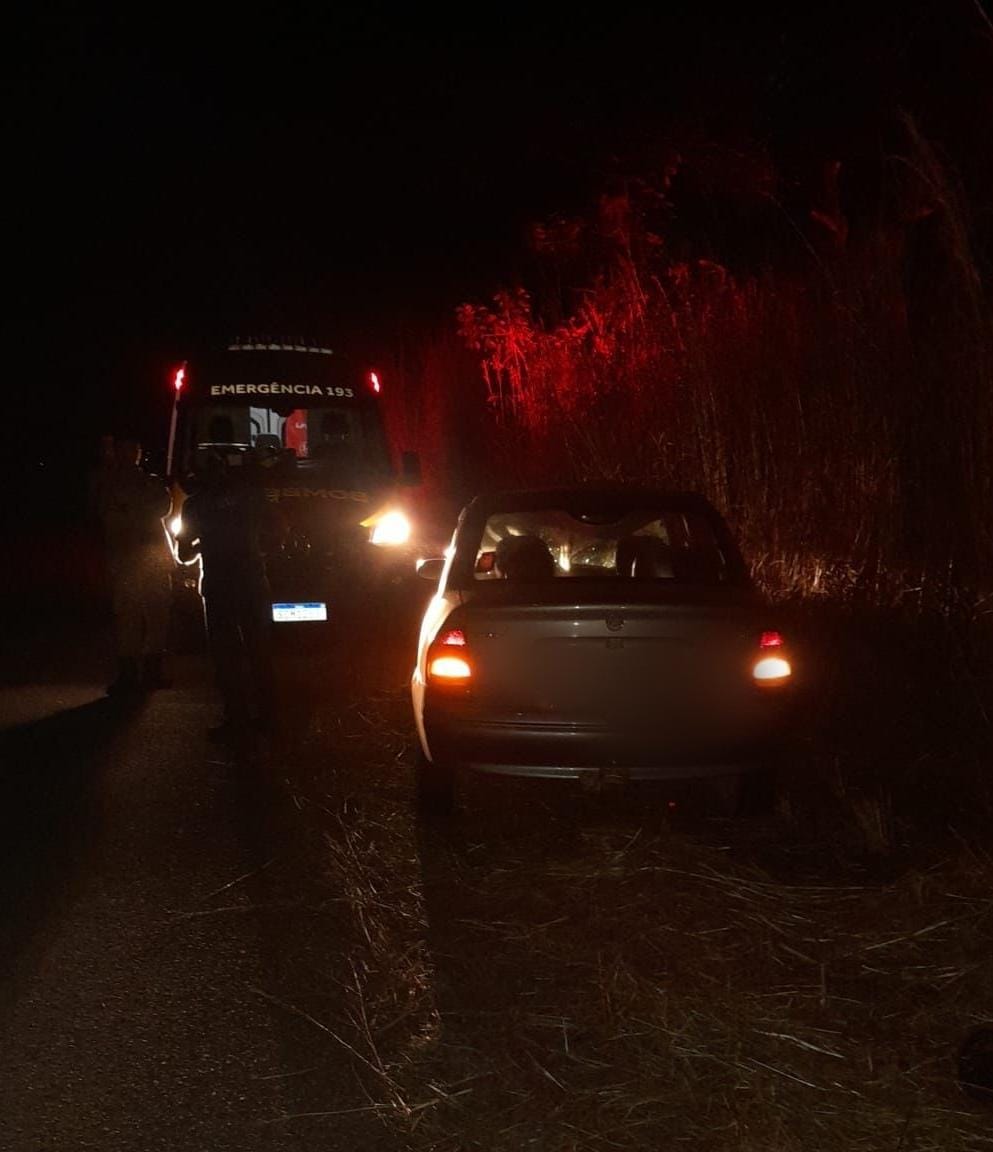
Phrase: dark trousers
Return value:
(238, 619)
(140, 599)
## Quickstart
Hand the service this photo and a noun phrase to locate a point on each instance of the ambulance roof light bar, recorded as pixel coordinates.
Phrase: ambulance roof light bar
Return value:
(263, 345)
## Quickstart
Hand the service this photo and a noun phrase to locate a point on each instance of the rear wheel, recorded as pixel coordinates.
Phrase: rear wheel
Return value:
(750, 794)
(723, 795)
(435, 784)
(759, 790)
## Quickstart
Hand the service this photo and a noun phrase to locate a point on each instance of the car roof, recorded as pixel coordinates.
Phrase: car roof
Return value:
(527, 498)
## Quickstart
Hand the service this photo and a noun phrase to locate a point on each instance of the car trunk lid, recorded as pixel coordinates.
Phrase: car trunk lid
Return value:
(606, 660)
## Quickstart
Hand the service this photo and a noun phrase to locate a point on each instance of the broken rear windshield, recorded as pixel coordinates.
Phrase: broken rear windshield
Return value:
(634, 543)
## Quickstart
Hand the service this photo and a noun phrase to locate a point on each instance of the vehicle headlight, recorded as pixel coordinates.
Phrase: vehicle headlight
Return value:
(176, 525)
(391, 529)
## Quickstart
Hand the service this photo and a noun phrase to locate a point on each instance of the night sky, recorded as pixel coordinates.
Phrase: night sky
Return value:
(343, 173)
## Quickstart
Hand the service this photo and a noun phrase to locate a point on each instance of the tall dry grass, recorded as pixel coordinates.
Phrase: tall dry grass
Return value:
(840, 413)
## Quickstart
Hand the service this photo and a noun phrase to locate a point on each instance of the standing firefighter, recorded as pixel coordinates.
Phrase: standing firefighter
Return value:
(225, 521)
(130, 505)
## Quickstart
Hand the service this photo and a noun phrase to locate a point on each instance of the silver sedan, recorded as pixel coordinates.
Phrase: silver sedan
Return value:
(594, 633)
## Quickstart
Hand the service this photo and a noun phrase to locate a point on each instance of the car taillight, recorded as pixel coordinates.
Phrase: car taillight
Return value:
(447, 659)
(771, 668)
(450, 668)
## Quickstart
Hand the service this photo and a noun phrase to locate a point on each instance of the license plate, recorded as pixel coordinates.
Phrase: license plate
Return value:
(287, 613)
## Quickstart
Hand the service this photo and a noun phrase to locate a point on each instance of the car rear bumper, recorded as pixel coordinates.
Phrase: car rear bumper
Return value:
(659, 771)
(574, 751)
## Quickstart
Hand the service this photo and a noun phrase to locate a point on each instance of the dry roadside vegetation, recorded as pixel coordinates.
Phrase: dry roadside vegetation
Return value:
(566, 972)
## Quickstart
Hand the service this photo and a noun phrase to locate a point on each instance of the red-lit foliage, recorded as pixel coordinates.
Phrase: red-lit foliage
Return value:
(433, 404)
(839, 405)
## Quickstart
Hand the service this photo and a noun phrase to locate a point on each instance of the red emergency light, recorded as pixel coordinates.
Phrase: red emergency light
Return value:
(374, 381)
(180, 379)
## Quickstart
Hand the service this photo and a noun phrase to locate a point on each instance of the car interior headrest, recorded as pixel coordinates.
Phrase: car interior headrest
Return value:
(645, 558)
(526, 558)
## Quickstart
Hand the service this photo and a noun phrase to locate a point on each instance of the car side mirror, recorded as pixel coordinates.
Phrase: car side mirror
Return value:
(410, 468)
(431, 569)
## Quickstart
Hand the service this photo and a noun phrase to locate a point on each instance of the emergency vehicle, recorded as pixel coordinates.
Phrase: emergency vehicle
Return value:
(310, 431)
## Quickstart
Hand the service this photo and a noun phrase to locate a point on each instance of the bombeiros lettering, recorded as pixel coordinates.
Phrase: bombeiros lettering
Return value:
(277, 494)
(276, 389)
